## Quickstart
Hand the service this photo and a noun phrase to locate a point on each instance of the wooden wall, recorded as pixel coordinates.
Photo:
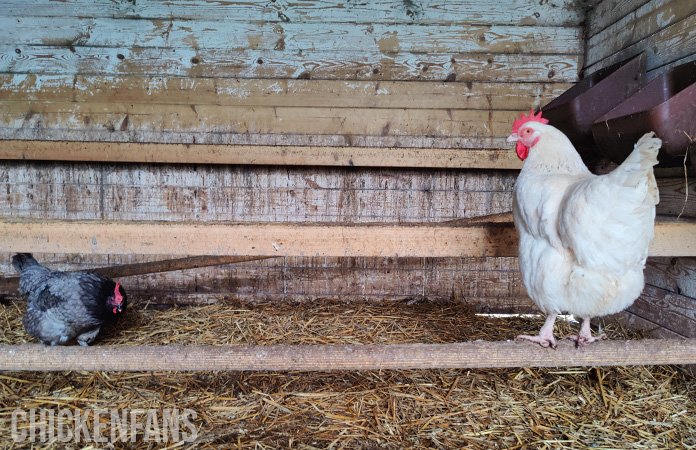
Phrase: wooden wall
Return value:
(431, 76)
(666, 31)
(619, 29)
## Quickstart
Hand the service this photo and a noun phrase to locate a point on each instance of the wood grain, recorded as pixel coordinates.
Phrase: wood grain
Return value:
(671, 239)
(277, 93)
(256, 239)
(674, 312)
(308, 64)
(558, 13)
(239, 119)
(289, 37)
(477, 354)
(209, 193)
(259, 154)
(648, 19)
(677, 275)
(608, 12)
(662, 48)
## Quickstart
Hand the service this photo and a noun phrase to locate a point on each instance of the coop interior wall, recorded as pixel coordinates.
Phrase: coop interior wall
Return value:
(402, 74)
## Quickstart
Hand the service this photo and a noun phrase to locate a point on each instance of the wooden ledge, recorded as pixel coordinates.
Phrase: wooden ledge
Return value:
(454, 239)
(448, 158)
(478, 354)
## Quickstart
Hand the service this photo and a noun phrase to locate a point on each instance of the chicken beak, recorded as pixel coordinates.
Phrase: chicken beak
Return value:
(513, 138)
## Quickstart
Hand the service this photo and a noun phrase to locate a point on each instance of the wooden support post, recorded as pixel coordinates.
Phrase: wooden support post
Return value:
(478, 354)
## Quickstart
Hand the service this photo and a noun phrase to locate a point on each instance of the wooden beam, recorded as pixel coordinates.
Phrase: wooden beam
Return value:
(558, 13)
(139, 117)
(349, 64)
(277, 92)
(259, 154)
(293, 37)
(255, 239)
(478, 354)
(289, 239)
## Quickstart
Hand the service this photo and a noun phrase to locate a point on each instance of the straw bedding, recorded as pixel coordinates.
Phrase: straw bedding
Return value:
(648, 407)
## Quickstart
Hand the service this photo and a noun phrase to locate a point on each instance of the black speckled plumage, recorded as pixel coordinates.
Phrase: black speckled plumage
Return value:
(66, 306)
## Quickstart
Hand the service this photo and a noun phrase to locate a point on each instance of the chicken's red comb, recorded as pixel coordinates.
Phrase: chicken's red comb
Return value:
(524, 119)
(118, 298)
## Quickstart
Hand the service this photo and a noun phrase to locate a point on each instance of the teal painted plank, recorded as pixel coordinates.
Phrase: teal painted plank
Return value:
(291, 37)
(510, 12)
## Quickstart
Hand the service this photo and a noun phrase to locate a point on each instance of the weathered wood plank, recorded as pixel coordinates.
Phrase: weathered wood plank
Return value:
(607, 12)
(289, 37)
(477, 354)
(558, 13)
(242, 139)
(345, 65)
(652, 74)
(650, 329)
(259, 155)
(278, 93)
(208, 193)
(486, 285)
(259, 239)
(674, 312)
(676, 275)
(648, 19)
(662, 48)
(264, 239)
(277, 120)
(673, 197)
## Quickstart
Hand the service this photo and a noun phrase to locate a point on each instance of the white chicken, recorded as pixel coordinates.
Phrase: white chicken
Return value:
(583, 238)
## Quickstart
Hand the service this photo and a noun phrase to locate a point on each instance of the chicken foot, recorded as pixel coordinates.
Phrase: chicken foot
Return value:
(545, 337)
(584, 337)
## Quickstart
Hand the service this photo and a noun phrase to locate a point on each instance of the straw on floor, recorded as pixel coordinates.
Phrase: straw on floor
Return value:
(641, 407)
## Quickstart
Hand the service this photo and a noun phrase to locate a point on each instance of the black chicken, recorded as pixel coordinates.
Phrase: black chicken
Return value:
(62, 306)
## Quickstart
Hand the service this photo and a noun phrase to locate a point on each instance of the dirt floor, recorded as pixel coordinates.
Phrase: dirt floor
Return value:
(646, 407)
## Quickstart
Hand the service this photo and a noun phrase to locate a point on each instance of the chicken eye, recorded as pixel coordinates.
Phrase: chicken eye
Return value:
(528, 131)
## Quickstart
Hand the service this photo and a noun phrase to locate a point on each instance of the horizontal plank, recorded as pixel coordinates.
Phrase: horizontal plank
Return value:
(289, 37)
(261, 119)
(671, 311)
(278, 239)
(607, 12)
(343, 65)
(653, 73)
(677, 196)
(484, 285)
(674, 239)
(648, 329)
(241, 139)
(664, 47)
(676, 275)
(255, 239)
(650, 18)
(478, 354)
(259, 154)
(278, 93)
(560, 12)
(241, 193)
